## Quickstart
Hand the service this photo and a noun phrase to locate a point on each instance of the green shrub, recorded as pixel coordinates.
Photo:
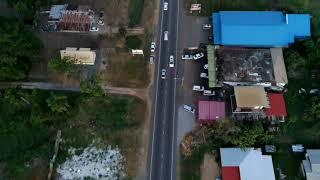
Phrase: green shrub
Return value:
(135, 11)
(133, 42)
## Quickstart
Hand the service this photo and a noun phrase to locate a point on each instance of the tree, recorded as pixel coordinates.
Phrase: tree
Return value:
(133, 42)
(65, 65)
(250, 136)
(19, 48)
(122, 31)
(92, 87)
(58, 103)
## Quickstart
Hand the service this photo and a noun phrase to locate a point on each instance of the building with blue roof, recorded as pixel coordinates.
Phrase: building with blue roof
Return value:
(259, 28)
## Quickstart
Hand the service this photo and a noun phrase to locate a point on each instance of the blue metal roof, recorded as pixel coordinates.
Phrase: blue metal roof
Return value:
(259, 29)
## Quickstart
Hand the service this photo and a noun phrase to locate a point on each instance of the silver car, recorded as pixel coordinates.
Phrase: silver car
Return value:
(163, 74)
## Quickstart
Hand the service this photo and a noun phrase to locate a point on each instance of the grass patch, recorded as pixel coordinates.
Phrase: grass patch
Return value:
(128, 71)
(135, 11)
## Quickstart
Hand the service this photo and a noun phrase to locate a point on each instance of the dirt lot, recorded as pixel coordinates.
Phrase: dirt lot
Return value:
(209, 168)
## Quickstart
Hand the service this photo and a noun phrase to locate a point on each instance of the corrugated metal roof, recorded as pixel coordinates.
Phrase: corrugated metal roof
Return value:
(250, 96)
(211, 66)
(277, 105)
(279, 68)
(210, 110)
(259, 28)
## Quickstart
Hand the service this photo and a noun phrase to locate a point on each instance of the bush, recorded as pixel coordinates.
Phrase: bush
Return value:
(135, 11)
(133, 42)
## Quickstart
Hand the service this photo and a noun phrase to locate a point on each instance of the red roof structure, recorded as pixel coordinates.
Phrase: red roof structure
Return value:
(230, 173)
(209, 111)
(74, 21)
(277, 105)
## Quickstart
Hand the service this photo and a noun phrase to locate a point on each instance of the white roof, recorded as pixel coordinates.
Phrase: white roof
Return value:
(252, 164)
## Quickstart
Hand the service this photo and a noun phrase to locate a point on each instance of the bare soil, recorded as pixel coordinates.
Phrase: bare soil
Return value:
(209, 168)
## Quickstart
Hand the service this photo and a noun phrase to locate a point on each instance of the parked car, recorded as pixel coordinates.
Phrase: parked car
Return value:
(153, 47)
(198, 88)
(203, 75)
(163, 74)
(166, 35)
(165, 6)
(171, 61)
(101, 18)
(210, 38)
(205, 66)
(188, 108)
(315, 92)
(187, 57)
(208, 93)
(198, 56)
(94, 29)
(151, 59)
(206, 26)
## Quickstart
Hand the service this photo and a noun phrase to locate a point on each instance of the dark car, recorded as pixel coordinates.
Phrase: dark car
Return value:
(101, 14)
(210, 38)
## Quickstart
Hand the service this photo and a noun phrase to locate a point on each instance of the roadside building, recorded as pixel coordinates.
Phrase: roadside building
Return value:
(210, 111)
(277, 109)
(249, 99)
(311, 166)
(246, 164)
(259, 28)
(84, 56)
(246, 66)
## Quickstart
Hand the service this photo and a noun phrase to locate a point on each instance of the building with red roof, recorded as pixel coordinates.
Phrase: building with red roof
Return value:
(246, 164)
(277, 109)
(209, 111)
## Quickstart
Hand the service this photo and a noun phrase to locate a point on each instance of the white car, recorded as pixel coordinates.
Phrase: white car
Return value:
(198, 88)
(203, 75)
(205, 66)
(171, 61)
(165, 6)
(153, 47)
(94, 29)
(208, 93)
(163, 74)
(166, 35)
(206, 26)
(187, 57)
(188, 108)
(198, 56)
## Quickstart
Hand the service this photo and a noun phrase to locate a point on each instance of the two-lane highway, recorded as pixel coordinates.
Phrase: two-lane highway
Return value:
(162, 148)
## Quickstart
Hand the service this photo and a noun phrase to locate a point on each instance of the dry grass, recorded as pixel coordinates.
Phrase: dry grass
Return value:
(125, 70)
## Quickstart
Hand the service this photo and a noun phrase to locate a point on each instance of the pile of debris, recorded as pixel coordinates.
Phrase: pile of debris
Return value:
(193, 139)
(92, 163)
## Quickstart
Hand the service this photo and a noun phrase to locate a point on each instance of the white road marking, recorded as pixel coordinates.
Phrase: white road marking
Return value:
(156, 100)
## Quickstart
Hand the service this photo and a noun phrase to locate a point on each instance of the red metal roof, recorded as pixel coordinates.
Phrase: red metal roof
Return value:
(230, 173)
(210, 110)
(277, 105)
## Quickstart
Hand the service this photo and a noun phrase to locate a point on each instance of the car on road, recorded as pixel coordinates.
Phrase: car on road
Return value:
(163, 74)
(206, 26)
(203, 75)
(171, 61)
(208, 93)
(153, 47)
(205, 66)
(101, 18)
(166, 35)
(165, 6)
(151, 59)
(187, 57)
(94, 29)
(188, 108)
(198, 56)
(198, 88)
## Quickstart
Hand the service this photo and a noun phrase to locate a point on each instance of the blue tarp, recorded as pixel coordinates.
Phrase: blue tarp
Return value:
(259, 28)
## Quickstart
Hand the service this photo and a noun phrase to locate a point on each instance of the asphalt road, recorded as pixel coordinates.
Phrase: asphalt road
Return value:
(162, 150)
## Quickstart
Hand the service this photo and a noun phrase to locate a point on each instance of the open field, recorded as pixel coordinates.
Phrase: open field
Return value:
(116, 121)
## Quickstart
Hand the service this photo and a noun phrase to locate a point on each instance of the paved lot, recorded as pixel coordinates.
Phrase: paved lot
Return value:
(186, 122)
